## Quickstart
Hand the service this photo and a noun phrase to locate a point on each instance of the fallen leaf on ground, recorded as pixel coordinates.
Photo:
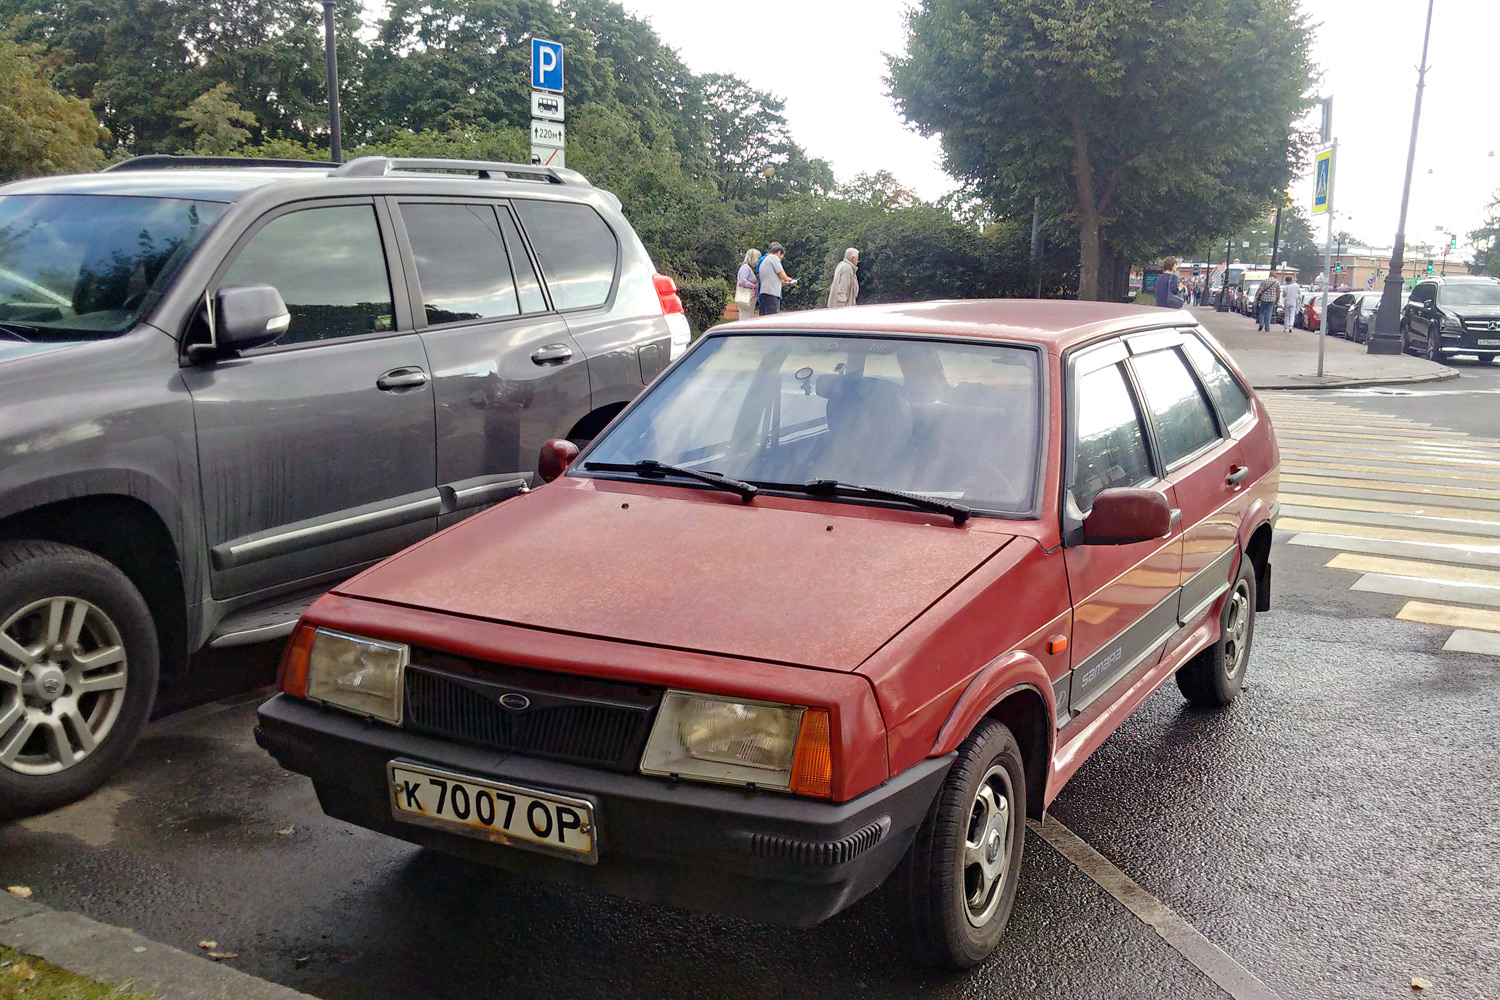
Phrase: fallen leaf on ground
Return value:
(300, 962)
(287, 832)
(221, 955)
(24, 971)
(208, 945)
(19, 890)
(1418, 983)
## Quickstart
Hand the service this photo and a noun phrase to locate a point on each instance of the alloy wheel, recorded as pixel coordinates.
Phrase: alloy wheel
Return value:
(63, 674)
(1236, 630)
(986, 851)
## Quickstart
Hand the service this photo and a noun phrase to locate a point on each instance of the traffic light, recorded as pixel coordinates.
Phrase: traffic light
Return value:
(1429, 267)
(1452, 242)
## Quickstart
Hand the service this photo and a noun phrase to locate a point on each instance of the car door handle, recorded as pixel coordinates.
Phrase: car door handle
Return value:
(552, 354)
(400, 379)
(1237, 475)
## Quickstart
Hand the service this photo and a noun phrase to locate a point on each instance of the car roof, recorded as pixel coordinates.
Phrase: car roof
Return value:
(217, 184)
(1464, 279)
(1054, 323)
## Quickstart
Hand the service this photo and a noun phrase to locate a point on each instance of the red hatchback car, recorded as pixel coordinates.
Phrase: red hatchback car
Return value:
(843, 594)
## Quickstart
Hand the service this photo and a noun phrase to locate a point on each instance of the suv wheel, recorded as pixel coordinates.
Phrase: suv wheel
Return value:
(1434, 346)
(957, 883)
(1213, 677)
(78, 672)
(1405, 338)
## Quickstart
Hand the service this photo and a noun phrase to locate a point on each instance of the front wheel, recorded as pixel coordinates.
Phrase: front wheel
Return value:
(1434, 346)
(1213, 677)
(78, 672)
(957, 883)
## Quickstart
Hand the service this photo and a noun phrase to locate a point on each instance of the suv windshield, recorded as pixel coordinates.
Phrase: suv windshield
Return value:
(88, 265)
(953, 420)
(1476, 294)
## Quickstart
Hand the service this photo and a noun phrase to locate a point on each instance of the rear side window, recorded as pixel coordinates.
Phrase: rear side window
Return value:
(527, 283)
(1184, 423)
(461, 262)
(1227, 393)
(329, 266)
(1110, 447)
(578, 251)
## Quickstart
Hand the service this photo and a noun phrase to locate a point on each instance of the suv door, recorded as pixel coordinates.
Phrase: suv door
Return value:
(315, 453)
(1124, 596)
(1420, 313)
(1202, 462)
(507, 373)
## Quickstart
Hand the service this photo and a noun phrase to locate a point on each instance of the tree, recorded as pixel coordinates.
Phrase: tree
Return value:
(219, 125)
(41, 130)
(1486, 241)
(1125, 115)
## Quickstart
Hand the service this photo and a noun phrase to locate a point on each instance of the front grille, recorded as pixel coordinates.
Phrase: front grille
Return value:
(576, 719)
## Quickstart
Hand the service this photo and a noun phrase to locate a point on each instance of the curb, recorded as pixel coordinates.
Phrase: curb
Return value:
(1356, 383)
(123, 958)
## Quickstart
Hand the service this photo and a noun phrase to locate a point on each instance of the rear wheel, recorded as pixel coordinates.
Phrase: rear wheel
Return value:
(1214, 677)
(78, 673)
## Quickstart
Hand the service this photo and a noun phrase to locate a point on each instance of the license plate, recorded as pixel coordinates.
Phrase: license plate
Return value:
(493, 811)
(1488, 343)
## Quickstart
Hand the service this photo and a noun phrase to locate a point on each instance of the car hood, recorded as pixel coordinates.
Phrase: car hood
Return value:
(1474, 312)
(820, 585)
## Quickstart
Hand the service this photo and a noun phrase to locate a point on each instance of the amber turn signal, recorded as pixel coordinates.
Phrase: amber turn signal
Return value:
(291, 676)
(812, 767)
(1057, 644)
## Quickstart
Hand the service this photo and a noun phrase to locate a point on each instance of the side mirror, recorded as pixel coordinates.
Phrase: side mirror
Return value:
(557, 454)
(1123, 516)
(249, 316)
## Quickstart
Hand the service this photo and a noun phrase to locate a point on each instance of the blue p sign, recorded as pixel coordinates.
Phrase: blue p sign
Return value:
(546, 65)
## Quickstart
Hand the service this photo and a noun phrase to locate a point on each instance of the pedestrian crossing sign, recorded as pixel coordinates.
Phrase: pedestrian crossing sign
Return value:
(1323, 192)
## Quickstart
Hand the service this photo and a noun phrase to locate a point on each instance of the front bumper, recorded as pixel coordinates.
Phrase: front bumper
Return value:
(762, 856)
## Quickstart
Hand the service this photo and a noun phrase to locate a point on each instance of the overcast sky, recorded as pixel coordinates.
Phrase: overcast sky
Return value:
(826, 58)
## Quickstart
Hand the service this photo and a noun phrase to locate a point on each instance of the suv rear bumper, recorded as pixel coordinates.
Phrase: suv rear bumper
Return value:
(761, 856)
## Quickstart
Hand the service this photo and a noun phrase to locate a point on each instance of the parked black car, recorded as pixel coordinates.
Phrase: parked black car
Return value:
(1341, 307)
(225, 386)
(1458, 315)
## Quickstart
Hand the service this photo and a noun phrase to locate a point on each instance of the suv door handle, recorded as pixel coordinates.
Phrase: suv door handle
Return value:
(1237, 475)
(399, 379)
(552, 354)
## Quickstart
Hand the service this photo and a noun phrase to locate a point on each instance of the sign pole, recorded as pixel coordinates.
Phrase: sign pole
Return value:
(1327, 259)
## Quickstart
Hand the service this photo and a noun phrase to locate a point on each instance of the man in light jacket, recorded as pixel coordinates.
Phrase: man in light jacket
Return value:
(845, 288)
(1291, 301)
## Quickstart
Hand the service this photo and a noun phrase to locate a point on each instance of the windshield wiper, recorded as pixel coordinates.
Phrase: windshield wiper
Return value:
(834, 488)
(652, 469)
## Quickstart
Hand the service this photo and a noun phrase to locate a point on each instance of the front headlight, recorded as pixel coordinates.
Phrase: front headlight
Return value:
(1451, 324)
(357, 674)
(779, 747)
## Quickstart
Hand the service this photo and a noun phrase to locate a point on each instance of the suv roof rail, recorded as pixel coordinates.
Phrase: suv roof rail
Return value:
(379, 166)
(159, 161)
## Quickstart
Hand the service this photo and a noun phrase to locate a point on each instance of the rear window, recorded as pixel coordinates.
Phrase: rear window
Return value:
(579, 253)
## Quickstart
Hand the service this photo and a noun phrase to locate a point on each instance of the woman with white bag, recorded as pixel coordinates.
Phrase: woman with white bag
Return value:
(747, 287)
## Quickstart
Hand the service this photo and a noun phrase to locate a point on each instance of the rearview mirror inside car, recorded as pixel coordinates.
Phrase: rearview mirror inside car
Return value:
(249, 316)
(557, 454)
(1123, 516)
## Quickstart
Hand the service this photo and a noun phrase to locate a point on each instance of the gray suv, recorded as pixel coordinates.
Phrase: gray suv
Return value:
(227, 385)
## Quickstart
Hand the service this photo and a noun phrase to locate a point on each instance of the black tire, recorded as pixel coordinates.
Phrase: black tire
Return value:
(1213, 677)
(1434, 348)
(1405, 338)
(933, 881)
(115, 627)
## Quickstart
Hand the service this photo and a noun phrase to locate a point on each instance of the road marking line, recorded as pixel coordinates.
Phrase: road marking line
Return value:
(1468, 641)
(1423, 550)
(1423, 489)
(1414, 521)
(1447, 614)
(1478, 463)
(1387, 534)
(1399, 475)
(1434, 590)
(1415, 570)
(1374, 492)
(1387, 448)
(1294, 426)
(1388, 507)
(1182, 937)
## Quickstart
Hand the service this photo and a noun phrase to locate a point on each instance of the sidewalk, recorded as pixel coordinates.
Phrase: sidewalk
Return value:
(1289, 360)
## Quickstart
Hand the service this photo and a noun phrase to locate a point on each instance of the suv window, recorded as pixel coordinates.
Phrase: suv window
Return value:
(1110, 448)
(462, 265)
(578, 250)
(329, 266)
(1424, 294)
(1226, 391)
(527, 283)
(1184, 422)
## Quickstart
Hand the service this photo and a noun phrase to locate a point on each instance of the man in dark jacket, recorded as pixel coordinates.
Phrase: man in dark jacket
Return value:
(1168, 289)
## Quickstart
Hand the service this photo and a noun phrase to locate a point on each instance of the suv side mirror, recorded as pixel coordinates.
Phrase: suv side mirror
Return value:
(557, 454)
(1123, 516)
(249, 316)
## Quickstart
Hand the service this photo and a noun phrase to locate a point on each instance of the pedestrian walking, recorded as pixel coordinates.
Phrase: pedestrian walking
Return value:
(845, 288)
(746, 285)
(1168, 287)
(773, 278)
(1291, 300)
(1265, 302)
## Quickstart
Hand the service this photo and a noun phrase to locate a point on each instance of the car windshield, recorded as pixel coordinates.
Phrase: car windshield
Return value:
(89, 265)
(954, 420)
(1476, 294)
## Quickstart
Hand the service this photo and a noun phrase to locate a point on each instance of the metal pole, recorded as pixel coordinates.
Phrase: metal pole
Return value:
(335, 140)
(1223, 306)
(1276, 238)
(1386, 337)
(1036, 232)
(1327, 258)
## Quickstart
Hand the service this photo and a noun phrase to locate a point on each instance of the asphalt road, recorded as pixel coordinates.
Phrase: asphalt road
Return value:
(1334, 831)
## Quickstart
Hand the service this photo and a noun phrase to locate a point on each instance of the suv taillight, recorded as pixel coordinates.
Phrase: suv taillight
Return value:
(671, 308)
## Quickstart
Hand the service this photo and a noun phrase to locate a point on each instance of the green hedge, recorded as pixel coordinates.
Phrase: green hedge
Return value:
(704, 302)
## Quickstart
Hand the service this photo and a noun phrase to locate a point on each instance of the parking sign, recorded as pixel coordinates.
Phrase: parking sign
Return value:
(546, 65)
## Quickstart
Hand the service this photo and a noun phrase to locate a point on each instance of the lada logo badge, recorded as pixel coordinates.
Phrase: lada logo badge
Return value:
(515, 702)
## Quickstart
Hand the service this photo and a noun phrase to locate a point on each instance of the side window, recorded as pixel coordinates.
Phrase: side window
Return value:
(1184, 422)
(329, 266)
(461, 262)
(579, 252)
(527, 283)
(1109, 443)
(1226, 391)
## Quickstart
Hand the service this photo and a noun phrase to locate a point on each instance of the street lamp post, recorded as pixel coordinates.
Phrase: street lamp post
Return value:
(330, 56)
(766, 174)
(1386, 337)
(1223, 304)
